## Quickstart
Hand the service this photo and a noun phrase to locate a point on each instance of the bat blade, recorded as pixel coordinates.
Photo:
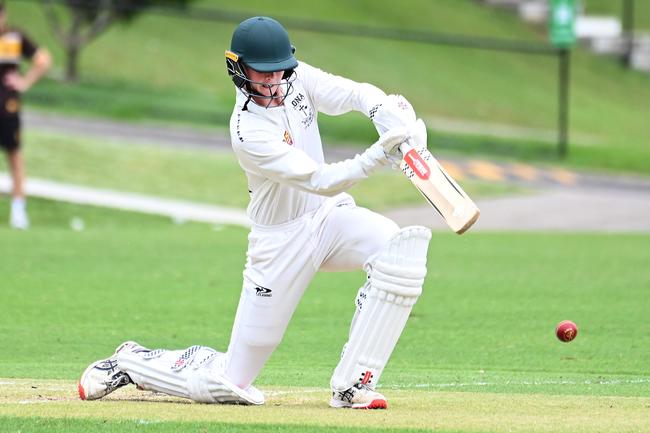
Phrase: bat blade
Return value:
(439, 188)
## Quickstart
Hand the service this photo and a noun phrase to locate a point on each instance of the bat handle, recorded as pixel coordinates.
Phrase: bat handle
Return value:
(405, 147)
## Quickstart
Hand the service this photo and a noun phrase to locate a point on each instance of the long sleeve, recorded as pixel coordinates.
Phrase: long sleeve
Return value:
(276, 161)
(336, 95)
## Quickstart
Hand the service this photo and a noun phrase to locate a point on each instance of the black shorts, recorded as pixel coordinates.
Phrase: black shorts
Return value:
(9, 133)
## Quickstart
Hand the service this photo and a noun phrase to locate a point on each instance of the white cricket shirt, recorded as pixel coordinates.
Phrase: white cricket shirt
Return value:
(280, 148)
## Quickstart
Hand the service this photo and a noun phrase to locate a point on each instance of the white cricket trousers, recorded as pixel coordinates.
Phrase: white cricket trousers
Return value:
(281, 262)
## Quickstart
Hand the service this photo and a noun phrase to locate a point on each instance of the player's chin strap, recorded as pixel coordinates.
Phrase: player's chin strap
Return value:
(195, 373)
(395, 278)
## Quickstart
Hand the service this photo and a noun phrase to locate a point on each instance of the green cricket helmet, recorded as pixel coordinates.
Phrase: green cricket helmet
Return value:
(261, 43)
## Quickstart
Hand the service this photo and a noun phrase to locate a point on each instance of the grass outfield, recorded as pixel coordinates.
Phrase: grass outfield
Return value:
(478, 355)
(160, 69)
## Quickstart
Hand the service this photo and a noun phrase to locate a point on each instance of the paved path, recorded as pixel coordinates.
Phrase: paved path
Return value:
(562, 201)
(178, 136)
(566, 209)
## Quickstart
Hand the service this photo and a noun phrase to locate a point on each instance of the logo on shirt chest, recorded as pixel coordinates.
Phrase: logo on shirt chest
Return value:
(300, 104)
(287, 138)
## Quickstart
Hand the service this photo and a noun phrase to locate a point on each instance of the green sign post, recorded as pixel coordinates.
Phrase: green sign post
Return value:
(562, 35)
(562, 23)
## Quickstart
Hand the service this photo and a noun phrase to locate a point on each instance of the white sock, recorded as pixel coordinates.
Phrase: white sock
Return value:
(18, 204)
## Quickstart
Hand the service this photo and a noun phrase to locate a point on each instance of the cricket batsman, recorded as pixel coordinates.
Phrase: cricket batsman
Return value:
(303, 221)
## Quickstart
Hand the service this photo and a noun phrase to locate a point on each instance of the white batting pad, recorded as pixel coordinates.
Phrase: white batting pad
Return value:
(396, 275)
(195, 373)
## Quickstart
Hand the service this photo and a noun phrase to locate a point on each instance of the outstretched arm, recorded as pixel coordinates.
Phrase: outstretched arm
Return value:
(288, 165)
(334, 95)
(41, 62)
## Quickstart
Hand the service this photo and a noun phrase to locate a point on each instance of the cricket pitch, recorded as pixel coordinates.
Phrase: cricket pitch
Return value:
(462, 411)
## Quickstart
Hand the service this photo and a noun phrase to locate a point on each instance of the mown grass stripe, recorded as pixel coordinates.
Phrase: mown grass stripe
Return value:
(68, 425)
(424, 410)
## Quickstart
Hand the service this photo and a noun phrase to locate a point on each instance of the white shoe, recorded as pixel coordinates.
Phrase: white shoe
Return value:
(103, 377)
(358, 397)
(18, 219)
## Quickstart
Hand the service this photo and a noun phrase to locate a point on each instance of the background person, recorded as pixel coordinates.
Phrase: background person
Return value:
(15, 46)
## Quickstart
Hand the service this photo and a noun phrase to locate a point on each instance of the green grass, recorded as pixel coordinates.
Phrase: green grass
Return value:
(190, 173)
(293, 410)
(187, 173)
(159, 68)
(132, 101)
(21, 425)
(478, 354)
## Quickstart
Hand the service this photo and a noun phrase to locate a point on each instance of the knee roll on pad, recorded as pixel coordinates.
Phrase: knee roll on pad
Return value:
(396, 275)
(397, 280)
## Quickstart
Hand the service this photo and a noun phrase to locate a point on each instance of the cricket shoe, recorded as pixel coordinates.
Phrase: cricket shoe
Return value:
(360, 396)
(103, 377)
(18, 218)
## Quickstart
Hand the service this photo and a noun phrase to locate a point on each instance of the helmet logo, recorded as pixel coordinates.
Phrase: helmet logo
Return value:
(232, 56)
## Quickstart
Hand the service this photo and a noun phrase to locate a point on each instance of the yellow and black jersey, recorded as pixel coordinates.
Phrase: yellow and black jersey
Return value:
(14, 46)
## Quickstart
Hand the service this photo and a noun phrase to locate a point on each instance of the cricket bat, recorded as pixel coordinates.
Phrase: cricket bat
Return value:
(438, 188)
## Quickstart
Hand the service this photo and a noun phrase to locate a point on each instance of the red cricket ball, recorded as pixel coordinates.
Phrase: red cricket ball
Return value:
(566, 330)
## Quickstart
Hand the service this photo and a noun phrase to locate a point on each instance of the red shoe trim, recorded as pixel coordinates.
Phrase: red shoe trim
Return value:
(82, 393)
(375, 404)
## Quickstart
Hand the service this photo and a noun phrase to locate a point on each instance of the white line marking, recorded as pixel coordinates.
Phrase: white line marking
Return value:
(178, 210)
(275, 393)
(635, 381)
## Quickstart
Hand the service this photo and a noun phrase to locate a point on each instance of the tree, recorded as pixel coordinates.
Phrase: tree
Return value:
(90, 18)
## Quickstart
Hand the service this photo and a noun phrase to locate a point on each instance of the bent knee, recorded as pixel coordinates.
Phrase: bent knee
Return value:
(378, 235)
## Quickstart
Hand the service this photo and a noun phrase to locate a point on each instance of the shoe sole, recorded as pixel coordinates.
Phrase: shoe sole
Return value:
(375, 404)
(80, 389)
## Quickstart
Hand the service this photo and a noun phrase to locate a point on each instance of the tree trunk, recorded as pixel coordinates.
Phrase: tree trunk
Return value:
(71, 63)
(73, 44)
